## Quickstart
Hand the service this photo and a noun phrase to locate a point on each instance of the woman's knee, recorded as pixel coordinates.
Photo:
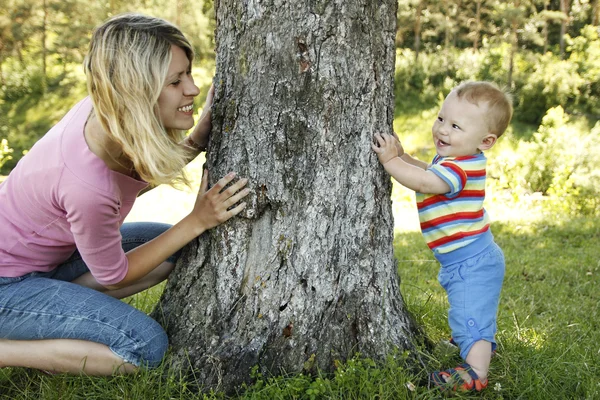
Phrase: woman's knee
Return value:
(155, 346)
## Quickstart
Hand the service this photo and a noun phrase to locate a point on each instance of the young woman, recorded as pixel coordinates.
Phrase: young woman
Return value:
(65, 255)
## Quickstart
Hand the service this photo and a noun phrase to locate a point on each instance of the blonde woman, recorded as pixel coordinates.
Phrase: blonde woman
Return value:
(65, 255)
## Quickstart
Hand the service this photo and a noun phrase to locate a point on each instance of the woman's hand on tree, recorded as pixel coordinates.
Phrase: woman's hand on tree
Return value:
(219, 203)
(201, 132)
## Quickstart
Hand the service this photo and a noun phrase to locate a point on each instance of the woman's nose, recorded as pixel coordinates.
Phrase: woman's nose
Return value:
(192, 90)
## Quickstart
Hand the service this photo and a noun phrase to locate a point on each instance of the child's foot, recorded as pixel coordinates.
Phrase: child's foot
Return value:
(460, 378)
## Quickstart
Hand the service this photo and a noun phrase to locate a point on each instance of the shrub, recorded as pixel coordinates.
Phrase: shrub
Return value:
(551, 83)
(561, 161)
(5, 152)
(492, 67)
(585, 53)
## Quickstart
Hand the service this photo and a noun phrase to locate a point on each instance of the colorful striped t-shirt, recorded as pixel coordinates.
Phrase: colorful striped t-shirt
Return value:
(455, 219)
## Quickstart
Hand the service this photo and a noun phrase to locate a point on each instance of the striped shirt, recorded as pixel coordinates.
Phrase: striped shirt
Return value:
(455, 219)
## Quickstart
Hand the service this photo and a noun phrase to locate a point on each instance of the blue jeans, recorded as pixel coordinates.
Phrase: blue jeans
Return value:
(48, 306)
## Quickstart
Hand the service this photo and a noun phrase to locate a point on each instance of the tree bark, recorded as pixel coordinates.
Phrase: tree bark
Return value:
(305, 275)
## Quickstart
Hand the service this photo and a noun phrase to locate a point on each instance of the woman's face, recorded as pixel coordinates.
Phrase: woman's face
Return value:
(175, 102)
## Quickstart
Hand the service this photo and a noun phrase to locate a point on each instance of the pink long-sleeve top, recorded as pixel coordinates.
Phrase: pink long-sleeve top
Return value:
(61, 197)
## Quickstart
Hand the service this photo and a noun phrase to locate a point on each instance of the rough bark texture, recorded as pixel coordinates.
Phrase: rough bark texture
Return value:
(306, 275)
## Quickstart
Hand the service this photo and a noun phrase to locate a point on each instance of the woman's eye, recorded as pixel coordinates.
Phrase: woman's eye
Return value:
(175, 83)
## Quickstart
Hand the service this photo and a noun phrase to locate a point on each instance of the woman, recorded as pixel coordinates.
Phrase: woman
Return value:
(65, 255)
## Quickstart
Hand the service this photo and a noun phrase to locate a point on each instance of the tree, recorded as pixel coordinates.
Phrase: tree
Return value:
(565, 6)
(44, 29)
(306, 276)
(417, 28)
(477, 25)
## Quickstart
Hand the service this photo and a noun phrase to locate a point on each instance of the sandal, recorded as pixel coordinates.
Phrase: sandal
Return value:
(455, 381)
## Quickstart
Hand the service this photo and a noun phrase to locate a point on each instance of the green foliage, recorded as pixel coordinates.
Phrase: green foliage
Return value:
(550, 82)
(493, 65)
(27, 111)
(561, 161)
(5, 152)
(541, 81)
(585, 53)
(419, 83)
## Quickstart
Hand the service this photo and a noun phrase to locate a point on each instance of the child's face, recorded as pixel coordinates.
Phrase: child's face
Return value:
(460, 128)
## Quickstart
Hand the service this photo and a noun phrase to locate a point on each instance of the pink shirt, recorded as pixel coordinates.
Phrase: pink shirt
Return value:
(61, 197)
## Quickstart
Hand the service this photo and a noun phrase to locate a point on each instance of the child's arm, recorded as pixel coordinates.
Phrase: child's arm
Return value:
(408, 171)
(406, 157)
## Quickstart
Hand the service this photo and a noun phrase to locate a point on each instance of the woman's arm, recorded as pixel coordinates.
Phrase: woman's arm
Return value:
(212, 208)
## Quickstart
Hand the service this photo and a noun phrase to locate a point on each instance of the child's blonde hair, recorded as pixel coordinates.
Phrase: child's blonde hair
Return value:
(499, 103)
(126, 68)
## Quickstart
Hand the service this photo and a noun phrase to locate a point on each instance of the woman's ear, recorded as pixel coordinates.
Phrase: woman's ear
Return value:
(488, 141)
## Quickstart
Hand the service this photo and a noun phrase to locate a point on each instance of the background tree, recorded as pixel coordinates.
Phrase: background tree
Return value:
(565, 6)
(476, 25)
(417, 28)
(306, 277)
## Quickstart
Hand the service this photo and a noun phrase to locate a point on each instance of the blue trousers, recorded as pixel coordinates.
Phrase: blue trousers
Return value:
(473, 287)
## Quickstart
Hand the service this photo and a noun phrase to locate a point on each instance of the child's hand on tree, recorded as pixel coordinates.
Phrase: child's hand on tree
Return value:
(387, 147)
(398, 144)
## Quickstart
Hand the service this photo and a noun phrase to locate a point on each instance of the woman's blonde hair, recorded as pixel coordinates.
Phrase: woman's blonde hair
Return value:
(126, 68)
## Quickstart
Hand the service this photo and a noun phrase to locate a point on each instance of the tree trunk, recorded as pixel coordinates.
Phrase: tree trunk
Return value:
(545, 28)
(564, 7)
(418, 16)
(305, 275)
(514, 41)
(477, 32)
(44, 48)
(1, 68)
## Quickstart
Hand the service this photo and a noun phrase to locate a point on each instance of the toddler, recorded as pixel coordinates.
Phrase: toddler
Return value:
(450, 193)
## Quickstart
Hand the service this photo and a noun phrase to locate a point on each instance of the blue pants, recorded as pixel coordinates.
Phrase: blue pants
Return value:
(473, 287)
(48, 306)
